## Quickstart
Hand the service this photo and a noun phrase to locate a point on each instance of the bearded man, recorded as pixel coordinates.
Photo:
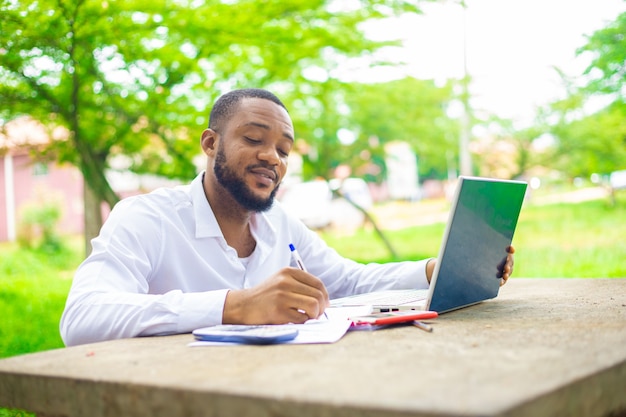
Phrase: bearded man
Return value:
(216, 251)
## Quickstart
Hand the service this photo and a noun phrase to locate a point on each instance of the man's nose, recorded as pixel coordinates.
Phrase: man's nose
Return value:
(270, 155)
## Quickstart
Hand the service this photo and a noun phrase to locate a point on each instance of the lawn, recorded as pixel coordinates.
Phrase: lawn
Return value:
(563, 240)
(34, 288)
(556, 240)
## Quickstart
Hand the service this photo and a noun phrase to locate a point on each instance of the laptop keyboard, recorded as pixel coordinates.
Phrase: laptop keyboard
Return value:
(401, 297)
(390, 298)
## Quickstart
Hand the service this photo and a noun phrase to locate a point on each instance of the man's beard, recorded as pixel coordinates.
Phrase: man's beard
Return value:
(238, 188)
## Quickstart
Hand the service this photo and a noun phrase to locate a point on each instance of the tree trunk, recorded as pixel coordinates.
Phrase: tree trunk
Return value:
(369, 217)
(93, 216)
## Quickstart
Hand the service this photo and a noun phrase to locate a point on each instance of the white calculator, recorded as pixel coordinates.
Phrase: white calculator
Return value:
(250, 334)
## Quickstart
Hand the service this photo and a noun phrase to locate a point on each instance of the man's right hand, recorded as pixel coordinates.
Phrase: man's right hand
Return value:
(289, 296)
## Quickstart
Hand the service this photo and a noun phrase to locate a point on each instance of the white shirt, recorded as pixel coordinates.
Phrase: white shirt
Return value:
(161, 265)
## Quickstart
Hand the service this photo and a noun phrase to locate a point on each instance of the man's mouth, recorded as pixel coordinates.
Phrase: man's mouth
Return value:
(264, 176)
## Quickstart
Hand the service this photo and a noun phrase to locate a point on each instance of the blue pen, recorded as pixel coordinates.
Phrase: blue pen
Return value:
(298, 260)
(296, 257)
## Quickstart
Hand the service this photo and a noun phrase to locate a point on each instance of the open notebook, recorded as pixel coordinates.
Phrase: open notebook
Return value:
(480, 227)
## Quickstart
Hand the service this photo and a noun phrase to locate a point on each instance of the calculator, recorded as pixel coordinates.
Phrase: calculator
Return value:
(249, 334)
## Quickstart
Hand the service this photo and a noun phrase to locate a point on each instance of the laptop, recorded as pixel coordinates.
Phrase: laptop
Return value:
(480, 227)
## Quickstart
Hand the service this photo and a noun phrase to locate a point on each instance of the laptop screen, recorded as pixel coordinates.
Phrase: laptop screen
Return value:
(475, 242)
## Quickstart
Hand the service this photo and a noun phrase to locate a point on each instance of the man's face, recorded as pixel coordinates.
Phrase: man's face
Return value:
(252, 151)
(237, 186)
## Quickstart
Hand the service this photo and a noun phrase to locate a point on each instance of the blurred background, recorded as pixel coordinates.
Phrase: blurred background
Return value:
(391, 100)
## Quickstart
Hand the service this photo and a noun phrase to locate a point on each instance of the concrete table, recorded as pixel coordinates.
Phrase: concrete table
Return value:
(544, 347)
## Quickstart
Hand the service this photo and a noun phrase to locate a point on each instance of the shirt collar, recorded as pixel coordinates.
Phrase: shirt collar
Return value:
(206, 223)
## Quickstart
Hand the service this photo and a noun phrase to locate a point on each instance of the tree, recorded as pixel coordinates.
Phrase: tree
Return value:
(409, 110)
(507, 152)
(595, 142)
(608, 65)
(135, 78)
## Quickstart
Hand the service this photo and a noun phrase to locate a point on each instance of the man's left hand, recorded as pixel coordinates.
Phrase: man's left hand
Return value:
(506, 270)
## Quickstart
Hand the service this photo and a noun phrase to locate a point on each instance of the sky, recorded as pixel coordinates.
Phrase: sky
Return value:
(512, 47)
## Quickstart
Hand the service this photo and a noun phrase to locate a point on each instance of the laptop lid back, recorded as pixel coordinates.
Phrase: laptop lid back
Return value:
(482, 222)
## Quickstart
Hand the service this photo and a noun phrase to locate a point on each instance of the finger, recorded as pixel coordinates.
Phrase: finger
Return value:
(501, 267)
(306, 278)
(510, 263)
(293, 315)
(309, 306)
(306, 316)
(506, 264)
(310, 285)
(311, 296)
(506, 273)
(299, 316)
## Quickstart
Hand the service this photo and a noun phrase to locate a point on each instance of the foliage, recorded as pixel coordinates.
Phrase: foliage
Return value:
(37, 227)
(135, 78)
(508, 164)
(132, 82)
(608, 66)
(407, 110)
(595, 142)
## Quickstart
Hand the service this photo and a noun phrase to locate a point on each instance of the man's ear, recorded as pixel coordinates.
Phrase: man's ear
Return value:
(208, 141)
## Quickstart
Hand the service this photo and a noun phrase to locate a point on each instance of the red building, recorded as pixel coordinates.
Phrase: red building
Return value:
(27, 178)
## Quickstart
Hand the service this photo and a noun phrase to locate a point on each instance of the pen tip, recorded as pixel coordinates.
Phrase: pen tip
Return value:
(291, 247)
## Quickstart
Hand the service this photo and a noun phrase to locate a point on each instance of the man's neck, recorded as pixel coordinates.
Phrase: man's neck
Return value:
(234, 220)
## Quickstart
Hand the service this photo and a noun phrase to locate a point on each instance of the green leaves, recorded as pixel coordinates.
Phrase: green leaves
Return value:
(594, 142)
(608, 66)
(136, 78)
(408, 110)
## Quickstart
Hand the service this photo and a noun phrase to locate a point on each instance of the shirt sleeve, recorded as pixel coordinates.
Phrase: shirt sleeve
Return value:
(110, 298)
(343, 277)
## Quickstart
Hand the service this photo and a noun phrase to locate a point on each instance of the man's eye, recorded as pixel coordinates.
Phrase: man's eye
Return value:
(252, 140)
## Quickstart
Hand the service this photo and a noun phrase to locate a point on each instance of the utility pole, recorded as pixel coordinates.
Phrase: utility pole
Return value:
(465, 159)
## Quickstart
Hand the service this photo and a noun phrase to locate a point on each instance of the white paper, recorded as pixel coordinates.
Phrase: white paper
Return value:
(323, 330)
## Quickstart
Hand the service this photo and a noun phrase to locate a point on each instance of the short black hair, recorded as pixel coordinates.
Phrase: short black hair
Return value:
(225, 106)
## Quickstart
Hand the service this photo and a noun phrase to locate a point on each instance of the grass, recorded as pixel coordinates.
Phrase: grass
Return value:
(5, 412)
(560, 240)
(34, 285)
(575, 240)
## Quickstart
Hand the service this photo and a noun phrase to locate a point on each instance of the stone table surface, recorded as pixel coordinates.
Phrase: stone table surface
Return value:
(543, 347)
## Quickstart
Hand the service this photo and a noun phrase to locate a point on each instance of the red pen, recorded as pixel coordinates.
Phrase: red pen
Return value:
(394, 317)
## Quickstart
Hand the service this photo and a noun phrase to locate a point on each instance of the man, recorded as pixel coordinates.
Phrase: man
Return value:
(217, 250)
